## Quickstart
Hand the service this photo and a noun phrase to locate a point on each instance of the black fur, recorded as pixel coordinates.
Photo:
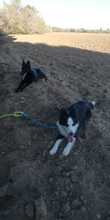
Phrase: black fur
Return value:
(29, 75)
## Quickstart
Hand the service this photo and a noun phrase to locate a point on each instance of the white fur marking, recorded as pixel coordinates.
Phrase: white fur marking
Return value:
(70, 122)
(65, 130)
(93, 103)
(23, 76)
(71, 127)
(55, 147)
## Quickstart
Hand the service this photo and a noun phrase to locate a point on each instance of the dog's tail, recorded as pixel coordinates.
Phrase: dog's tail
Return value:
(92, 104)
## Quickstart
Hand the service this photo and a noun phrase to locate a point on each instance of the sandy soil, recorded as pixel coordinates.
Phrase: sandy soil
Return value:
(34, 185)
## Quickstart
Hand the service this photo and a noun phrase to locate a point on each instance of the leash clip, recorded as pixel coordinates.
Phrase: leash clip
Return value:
(17, 114)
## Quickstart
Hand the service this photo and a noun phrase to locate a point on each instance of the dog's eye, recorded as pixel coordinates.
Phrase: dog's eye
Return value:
(71, 124)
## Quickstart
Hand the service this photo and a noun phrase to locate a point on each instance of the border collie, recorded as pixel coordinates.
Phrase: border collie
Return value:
(72, 124)
(29, 75)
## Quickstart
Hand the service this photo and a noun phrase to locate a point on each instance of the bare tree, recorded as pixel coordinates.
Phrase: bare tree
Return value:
(17, 19)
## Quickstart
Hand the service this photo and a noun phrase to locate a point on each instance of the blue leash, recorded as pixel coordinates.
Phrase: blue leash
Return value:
(36, 122)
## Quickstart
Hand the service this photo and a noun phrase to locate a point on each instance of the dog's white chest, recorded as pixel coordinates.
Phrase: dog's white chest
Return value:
(24, 75)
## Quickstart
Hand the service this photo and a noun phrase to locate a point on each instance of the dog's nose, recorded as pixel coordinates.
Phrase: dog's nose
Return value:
(71, 134)
(71, 137)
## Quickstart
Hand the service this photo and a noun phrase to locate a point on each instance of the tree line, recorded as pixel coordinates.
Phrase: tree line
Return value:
(15, 18)
(80, 30)
(18, 19)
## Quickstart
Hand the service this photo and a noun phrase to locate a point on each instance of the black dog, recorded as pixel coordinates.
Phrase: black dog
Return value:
(29, 75)
(72, 124)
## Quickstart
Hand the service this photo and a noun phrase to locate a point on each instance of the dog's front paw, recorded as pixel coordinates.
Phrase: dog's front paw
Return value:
(66, 152)
(55, 147)
(68, 148)
(52, 151)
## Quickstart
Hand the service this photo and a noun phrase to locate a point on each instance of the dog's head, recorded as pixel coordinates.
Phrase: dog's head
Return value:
(25, 68)
(68, 124)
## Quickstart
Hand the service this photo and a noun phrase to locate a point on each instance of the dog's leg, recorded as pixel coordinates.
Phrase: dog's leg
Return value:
(83, 126)
(20, 86)
(43, 76)
(82, 131)
(68, 147)
(56, 145)
(23, 85)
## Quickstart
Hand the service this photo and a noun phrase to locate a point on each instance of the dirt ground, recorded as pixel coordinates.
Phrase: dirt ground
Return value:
(34, 185)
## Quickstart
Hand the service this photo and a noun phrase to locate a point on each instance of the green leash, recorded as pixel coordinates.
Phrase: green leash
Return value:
(34, 121)
(15, 115)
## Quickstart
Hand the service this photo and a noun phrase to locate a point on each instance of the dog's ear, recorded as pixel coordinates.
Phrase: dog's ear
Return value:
(23, 62)
(63, 111)
(63, 116)
(28, 62)
(29, 65)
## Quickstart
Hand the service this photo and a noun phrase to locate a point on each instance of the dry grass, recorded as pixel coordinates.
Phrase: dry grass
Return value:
(78, 187)
(90, 41)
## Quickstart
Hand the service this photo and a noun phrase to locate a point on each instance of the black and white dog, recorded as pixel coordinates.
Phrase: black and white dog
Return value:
(72, 124)
(29, 75)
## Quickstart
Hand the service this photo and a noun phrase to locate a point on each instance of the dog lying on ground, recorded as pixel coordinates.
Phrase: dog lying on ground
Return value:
(29, 75)
(72, 124)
